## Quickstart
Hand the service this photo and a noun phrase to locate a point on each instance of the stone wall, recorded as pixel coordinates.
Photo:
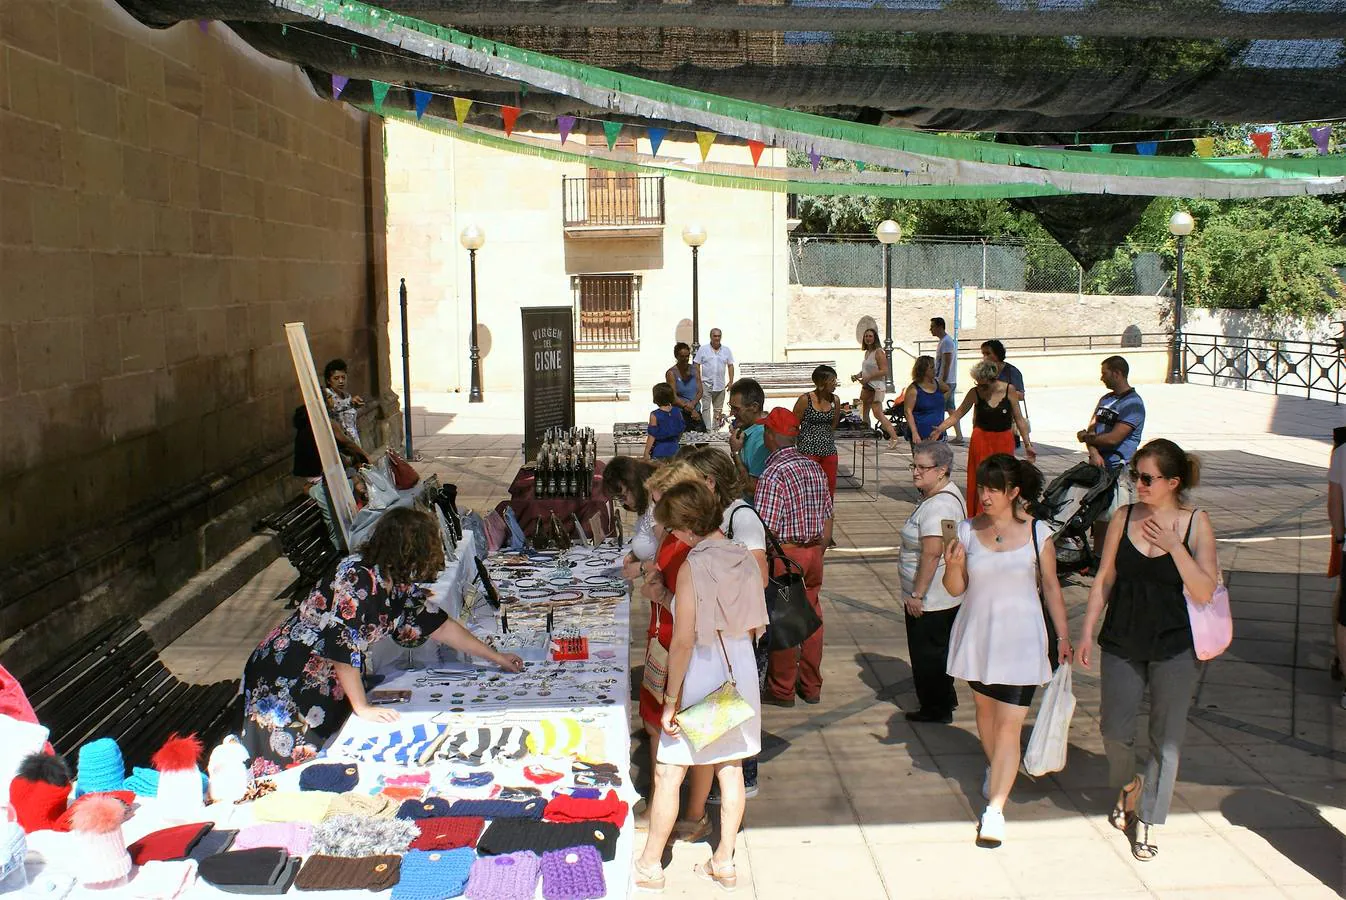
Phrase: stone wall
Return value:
(168, 200)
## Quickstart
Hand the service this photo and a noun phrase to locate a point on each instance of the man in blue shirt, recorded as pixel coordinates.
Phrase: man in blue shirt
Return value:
(1113, 436)
(746, 439)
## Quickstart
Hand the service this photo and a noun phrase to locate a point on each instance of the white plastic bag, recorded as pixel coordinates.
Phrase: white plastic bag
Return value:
(382, 494)
(1047, 744)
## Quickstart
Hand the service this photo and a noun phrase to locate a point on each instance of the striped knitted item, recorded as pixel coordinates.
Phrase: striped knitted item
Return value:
(447, 833)
(499, 809)
(575, 873)
(404, 746)
(510, 876)
(484, 744)
(434, 875)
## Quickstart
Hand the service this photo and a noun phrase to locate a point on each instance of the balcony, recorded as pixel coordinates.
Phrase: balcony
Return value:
(613, 205)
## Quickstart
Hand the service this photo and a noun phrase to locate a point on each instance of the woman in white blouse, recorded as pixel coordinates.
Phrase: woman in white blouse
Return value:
(624, 480)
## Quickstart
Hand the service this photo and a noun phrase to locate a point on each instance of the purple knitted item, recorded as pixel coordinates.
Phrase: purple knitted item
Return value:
(573, 874)
(433, 808)
(512, 876)
(499, 809)
(292, 837)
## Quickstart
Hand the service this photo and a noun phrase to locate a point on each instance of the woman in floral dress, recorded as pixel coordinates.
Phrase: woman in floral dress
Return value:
(304, 679)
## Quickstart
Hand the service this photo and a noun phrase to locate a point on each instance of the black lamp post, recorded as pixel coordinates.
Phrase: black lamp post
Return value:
(473, 238)
(888, 233)
(694, 236)
(1180, 224)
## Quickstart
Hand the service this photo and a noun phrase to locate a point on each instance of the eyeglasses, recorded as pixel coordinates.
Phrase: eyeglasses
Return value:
(916, 468)
(1146, 478)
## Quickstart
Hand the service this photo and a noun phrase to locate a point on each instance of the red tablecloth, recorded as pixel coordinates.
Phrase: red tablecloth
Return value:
(528, 508)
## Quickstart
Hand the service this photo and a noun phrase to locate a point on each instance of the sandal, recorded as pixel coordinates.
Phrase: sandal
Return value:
(691, 830)
(726, 877)
(1125, 809)
(646, 880)
(1141, 846)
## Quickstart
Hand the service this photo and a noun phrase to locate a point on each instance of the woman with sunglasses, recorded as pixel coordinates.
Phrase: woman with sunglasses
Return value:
(1159, 546)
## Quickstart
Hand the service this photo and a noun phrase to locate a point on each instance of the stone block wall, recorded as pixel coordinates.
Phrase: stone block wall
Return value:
(168, 200)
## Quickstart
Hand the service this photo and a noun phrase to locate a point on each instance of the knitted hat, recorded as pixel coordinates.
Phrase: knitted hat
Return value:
(180, 787)
(336, 778)
(259, 868)
(447, 833)
(563, 808)
(102, 849)
(510, 835)
(434, 875)
(356, 836)
(511, 876)
(163, 880)
(293, 837)
(39, 793)
(291, 806)
(372, 807)
(400, 792)
(100, 767)
(228, 768)
(499, 809)
(424, 809)
(575, 873)
(337, 873)
(217, 840)
(168, 843)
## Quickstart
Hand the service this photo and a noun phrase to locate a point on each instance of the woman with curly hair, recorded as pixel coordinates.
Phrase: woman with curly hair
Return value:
(304, 679)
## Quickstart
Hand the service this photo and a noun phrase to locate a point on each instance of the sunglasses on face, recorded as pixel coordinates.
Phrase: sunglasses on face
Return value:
(1146, 478)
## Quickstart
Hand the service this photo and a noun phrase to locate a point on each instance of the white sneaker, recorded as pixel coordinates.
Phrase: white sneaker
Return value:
(991, 831)
(986, 785)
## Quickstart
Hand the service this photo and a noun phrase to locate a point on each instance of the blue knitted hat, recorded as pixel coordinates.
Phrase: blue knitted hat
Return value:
(337, 778)
(145, 782)
(434, 874)
(100, 767)
(499, 809)
(432, 808)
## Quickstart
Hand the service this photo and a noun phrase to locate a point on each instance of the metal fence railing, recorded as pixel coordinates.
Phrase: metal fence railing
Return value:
(1294, 368)
(612, 200)
(933, 263)
(1132, 337)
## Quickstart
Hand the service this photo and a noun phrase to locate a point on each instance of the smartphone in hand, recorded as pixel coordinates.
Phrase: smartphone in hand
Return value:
(949, 529)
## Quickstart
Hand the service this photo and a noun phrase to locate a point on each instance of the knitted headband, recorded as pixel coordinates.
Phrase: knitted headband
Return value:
(510, 876)
(334, 873)
(434, 875)
(575, 873)
(447, 833)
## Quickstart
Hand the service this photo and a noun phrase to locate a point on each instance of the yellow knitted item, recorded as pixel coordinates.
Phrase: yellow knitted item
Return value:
(292, 806)
(353, 804)
(555, 737)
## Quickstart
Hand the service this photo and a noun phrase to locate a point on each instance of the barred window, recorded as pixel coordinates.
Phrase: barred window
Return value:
(607, 311)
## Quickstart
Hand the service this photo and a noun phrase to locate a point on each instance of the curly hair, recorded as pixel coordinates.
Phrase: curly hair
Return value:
(405, 546)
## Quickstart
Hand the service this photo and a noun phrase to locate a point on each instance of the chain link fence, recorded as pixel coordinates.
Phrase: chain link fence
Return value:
(998, 265)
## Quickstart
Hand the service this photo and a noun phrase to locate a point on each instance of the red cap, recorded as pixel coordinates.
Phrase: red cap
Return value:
(782, 421)
(39, 805)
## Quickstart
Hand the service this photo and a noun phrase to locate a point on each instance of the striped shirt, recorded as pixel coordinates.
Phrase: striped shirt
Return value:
(792, 497)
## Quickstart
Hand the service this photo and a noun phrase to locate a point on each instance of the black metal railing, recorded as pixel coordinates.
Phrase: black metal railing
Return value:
(612, 200)
(607, 311)
(1042, 343)
(1295, 368)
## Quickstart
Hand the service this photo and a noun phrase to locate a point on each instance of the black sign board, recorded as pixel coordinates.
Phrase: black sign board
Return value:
(548, 373)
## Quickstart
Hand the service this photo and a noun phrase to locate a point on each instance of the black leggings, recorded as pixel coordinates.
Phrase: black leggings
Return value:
(1013, 694)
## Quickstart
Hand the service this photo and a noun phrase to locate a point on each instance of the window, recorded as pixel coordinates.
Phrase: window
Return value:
(606, 311)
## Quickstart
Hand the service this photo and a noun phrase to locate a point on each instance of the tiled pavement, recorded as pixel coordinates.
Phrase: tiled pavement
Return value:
(856, 802)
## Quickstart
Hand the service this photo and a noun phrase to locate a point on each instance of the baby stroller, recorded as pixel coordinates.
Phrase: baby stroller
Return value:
(1070, 506)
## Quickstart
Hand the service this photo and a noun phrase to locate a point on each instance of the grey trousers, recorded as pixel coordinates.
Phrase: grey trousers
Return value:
(1171, 683)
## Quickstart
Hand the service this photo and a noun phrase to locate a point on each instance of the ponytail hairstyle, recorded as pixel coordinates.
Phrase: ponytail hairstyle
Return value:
(1003, 471)
(1172, 462)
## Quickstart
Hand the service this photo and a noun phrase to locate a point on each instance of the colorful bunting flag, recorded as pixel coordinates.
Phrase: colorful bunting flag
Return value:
(1262, 141)
(859, 165)
(422, 102)
(1205, 146)
(705, 139)
(339, 83)
(1321, 135)
(510, 115)
(1147, 148)
(204, 25)
(756, 148)
(656, 138)
(565, 124)
(380, 91)
(461, 105)
(1100, 148)
(815, 159)
(610, 131)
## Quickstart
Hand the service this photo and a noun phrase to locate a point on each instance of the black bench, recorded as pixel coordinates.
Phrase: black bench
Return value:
(112, 684)
(778, 378)
(305, 541)
(602, 382)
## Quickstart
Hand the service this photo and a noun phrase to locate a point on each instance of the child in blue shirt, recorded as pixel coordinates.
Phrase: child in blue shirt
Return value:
(666, 424)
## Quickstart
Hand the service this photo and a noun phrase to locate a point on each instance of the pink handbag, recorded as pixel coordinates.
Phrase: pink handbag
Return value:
(1212, 623)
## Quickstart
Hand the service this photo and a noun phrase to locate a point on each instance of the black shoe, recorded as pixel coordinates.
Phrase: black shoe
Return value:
(1336, 668)
(811, 701)
(783, 702)
(928, 715)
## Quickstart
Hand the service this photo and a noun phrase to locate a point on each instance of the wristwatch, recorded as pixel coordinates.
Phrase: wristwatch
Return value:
(917, 596)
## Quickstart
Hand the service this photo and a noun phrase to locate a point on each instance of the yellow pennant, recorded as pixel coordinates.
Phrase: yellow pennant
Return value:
(705, 139)
(460, 107)
(1205, 146)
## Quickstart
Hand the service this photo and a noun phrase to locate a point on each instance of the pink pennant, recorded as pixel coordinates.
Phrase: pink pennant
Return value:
(339, 83)
(815, 159)
(756, 148)
(565, 124)
(1262, 141)
(1321, 135)
(204, 25)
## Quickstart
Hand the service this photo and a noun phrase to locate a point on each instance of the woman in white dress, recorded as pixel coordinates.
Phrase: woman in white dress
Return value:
(719, 611)
(999, 562)
(873, 378)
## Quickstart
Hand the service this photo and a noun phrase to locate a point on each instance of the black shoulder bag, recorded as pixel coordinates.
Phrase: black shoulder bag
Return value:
(791, 616)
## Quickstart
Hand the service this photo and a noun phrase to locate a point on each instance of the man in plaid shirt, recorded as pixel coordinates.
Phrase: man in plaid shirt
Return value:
(793, 500)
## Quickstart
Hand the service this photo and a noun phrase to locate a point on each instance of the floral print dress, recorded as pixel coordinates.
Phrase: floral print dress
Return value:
(292, 701)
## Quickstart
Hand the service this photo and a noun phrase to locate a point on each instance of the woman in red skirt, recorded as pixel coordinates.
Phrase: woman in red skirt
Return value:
(997, 415)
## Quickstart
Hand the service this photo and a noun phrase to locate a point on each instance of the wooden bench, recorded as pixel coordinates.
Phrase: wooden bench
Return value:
(112, 684)
(305, 540)
(602, 382)
(777, 378)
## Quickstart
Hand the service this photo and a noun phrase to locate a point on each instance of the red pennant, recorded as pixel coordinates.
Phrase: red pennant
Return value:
(1262, 141)
(511, 115)
(756, 148)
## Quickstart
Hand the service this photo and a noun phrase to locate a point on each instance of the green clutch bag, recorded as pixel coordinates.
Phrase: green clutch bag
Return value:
(714, 715)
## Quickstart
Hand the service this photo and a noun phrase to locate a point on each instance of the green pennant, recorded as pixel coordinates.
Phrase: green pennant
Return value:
(380, 91)
(1100, 148)
(859, 166)
(610, 131)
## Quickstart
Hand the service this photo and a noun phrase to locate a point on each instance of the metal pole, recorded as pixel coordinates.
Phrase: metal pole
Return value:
(888, 313)
(696, 313)
(474, 396)
(1175, 374)
(406, 370)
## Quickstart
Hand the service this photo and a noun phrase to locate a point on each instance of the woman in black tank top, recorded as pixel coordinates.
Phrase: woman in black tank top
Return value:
(997, 414)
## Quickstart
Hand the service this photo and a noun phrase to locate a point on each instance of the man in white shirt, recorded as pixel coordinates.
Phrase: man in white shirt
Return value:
(715, 362)
(946, 369)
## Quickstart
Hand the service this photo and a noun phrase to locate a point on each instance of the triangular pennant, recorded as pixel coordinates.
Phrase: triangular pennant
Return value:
(756, 148)
(1100, 148)
(704, 139)
(1205, 146)
(460, 107)
(1262, 141)
(610, 131)
(1147, 148)
(1321, 135)
(656, 138)
(204, 25)
(523, 89)
(859, 165)
(339, 83)
(510, 115)
(565, 124)
(422, 102)
(815, 159)
(380, 91)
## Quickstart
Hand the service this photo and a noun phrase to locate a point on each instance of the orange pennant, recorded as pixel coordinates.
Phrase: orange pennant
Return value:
(1262, 141)
(756, 148)
(511, 115)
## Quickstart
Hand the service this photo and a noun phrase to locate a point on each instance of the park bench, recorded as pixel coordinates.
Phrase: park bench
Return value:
(306, 542)
(777, 378)
(602, 382)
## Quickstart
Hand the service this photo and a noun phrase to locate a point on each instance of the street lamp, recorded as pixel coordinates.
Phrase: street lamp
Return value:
(1180, 224)
(888, 233)
(694, 236)
(472, 239)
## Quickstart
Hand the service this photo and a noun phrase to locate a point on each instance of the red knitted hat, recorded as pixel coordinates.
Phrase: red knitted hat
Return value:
(448, 832)
(168, 843)
(40, 792)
